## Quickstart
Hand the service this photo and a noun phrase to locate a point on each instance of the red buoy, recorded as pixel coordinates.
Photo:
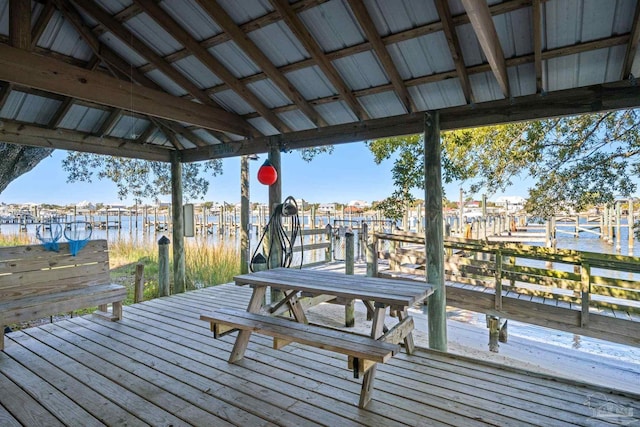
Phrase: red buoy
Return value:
(267, 174)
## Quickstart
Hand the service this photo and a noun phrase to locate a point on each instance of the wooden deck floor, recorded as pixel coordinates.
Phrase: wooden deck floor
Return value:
(160, 366)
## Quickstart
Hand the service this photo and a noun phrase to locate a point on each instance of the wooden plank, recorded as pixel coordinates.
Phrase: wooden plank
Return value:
(63, 409)
(25, 408)
(36, 307)
(145, 399)
(320, 398)
(328, 339)
(105, 401)
(20, 24)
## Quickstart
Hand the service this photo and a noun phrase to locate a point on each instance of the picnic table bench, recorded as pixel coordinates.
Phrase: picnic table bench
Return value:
(36, 283)
(364, 352)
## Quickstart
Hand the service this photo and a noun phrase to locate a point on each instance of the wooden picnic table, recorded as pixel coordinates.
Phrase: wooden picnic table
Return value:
(377, 294)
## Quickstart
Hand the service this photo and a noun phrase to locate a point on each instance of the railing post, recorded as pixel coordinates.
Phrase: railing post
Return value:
(498, 281)
(372, 257)
(163, 266)
(329, 250)
(138, 295)
(349, 307)
(585, 289)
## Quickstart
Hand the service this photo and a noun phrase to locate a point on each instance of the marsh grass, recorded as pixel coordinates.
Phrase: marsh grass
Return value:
(16, 239)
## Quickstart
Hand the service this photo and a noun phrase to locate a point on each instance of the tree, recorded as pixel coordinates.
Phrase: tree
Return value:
(574, 161)
(139, 178)
(18, 160)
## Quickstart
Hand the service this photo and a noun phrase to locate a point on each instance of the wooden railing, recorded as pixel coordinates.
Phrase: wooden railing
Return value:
(582, 292)
(320, 241)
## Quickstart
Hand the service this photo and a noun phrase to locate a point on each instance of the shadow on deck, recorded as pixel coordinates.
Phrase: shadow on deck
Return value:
(161, 366)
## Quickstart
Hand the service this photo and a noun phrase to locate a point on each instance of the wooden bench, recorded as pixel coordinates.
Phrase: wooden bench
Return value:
(363, 352)
(36, 283)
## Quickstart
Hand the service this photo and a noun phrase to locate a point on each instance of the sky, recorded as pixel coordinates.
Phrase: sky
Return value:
(348, 174)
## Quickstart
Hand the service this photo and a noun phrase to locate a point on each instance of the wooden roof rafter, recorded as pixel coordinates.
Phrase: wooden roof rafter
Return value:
(146, 52)
(366, 23)
(482, 23)
(118, 67)
(449, 29)
(215, 66)
(632, 45)
(298, 28)
(537, 43)
(20, 24)
(218, 14)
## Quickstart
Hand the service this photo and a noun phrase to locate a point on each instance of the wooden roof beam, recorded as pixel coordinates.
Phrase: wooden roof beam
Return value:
(35, 71)
(304, 36)
(218, 14)
(366, 23)
(449, 29)
(582, 100)
(184, 38)
(482, 23)
(632, 46)
(20, 24)
(24, 134)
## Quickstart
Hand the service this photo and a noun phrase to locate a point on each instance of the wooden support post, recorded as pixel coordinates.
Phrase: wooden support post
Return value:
(275, 198)
(585, 289)
(460, 214)
(163, 267)
(179, 275)
(434, 243)
(329, 250)
(244, 215)
(138, 283)
(349, 308)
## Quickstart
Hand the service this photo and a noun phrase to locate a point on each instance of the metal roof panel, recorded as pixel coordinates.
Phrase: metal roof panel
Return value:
(83, 119)
(361, 71)
(245, 10)
(206, 136)
(114, 6)
(230, 101)
(431, 96)
(279, 44)
(234, 59)
(485, 87)
(296, 120)
(269, 93)
(336, 113)
(121, 48)
(157, 137)
(423, 56)
(146, 29)
(263, 126)
(383, 104)
(192, 18)
(311, 83)
(197, 72)
(332, 25)
(469, 45)
(522, 80)
(514, 32)
(166, 83)
(4, 17)
(400, 15)
(129, 127)
(29, 108)
(60, 36)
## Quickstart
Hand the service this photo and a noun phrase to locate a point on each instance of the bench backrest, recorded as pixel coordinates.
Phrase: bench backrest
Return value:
(31, 270)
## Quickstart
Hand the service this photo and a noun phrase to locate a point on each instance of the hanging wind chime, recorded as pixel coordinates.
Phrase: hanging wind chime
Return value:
(267, 174)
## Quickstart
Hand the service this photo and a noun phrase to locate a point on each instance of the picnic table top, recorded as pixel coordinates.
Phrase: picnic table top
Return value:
(387, 291)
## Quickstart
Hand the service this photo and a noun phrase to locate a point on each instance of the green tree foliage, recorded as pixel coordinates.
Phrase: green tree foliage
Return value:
(574, 161)
(140, 179)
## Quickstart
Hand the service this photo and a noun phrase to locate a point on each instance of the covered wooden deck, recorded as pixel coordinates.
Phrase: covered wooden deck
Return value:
(161, 366)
